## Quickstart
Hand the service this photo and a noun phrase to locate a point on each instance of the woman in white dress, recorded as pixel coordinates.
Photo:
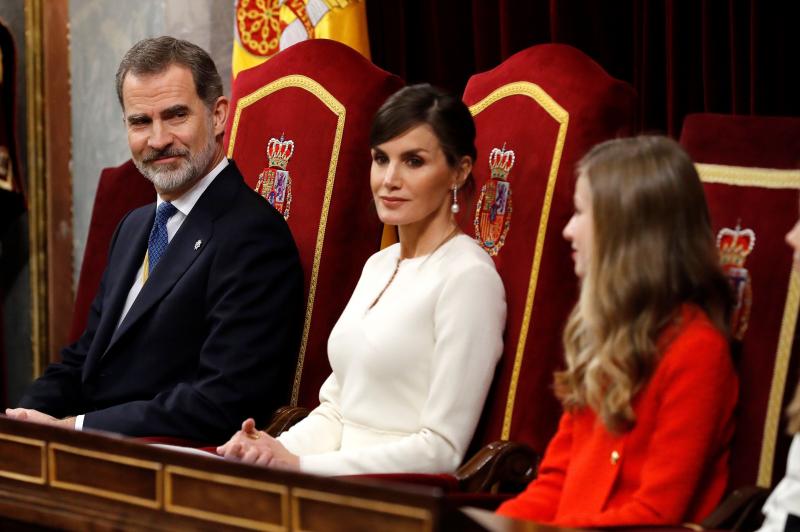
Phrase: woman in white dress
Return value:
(414, 352)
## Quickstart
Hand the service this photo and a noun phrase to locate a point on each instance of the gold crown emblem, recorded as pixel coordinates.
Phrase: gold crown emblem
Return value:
(500, 162)
(279, 152)
(735, 245)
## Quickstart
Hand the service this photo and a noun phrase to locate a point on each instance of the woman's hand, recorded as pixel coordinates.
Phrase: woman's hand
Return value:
(253, 446)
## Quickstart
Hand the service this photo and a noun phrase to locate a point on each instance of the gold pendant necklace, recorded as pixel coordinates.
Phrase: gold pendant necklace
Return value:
(453, 232)
(394, 274)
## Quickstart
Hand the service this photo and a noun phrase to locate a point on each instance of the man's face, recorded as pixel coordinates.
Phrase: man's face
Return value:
(171, 132)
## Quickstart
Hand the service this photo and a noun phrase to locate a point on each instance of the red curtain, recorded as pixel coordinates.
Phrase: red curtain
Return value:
(682, 56)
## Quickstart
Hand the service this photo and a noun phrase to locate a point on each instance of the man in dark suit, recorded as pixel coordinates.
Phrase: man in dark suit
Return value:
(197, 321)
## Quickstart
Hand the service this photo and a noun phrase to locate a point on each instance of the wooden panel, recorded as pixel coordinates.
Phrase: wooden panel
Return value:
(111, 476)
(49, 182)
(22, 459)
(58, 178)
(321, 511)
(88, 481)
(226, 499)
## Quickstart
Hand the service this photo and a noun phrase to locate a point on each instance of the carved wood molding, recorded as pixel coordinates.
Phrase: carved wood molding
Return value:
(49, 179)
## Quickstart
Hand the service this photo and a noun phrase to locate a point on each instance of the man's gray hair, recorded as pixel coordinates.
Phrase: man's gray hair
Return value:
(155, 55)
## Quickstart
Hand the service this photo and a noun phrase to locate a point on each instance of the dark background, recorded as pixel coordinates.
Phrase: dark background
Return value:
(681, 56)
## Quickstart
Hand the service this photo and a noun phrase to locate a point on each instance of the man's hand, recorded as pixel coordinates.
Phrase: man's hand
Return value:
(34, 416)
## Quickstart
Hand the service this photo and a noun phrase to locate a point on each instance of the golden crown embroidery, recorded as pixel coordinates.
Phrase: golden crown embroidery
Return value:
(274, 182)
(493, 211)
(734, 246)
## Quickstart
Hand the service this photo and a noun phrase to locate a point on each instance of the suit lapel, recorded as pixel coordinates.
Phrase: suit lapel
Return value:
(180, 254)
(185, 247)
(132, 245)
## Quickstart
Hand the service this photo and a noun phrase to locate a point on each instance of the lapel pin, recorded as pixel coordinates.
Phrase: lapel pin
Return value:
(198, 244)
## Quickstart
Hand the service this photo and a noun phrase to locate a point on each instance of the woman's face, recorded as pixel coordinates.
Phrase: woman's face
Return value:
(411, 180)
(579, 231)
(793, 239)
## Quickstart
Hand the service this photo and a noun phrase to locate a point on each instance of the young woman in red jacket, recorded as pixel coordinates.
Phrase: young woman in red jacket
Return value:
(649, 387)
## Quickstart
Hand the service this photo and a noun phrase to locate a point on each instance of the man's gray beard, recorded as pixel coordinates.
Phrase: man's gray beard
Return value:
(188, 170)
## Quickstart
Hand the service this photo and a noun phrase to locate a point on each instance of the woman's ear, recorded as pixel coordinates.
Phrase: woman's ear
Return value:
(464, 169)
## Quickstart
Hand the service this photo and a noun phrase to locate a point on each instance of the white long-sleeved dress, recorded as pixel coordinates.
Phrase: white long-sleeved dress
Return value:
(411, 374)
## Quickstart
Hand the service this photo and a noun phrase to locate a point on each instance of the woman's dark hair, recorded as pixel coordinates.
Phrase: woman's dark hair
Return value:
(415, 105)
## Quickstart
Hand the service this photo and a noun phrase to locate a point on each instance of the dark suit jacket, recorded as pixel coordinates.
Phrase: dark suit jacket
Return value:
(211, 339)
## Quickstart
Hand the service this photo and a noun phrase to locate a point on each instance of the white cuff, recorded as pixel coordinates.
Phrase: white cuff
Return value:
(79, 422)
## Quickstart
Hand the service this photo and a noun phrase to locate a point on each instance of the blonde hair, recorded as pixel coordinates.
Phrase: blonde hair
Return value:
(653, 250)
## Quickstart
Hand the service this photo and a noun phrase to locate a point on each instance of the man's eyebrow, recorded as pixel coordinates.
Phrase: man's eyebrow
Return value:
(174, 110)
(169, 112)
(139, 118)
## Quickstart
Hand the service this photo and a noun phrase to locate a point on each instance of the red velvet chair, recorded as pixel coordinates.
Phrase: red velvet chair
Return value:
(750, 167)
(548, 105)
(536, 115)
(120, 190)
(299, 132)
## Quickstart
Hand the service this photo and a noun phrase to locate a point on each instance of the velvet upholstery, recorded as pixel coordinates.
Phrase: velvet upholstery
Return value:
(321, 96)
(549, 104)
(119, 190)
(750, 167)
(681, 57)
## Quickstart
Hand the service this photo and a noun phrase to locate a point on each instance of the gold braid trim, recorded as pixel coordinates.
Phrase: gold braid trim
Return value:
(336, 107)
(561, 116)
(748, 177)
(778, 386)
(767, 178)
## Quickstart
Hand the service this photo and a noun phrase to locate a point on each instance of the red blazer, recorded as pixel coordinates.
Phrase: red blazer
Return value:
(672, 467)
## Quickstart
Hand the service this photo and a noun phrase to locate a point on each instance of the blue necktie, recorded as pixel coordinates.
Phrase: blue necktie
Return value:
(157, 244)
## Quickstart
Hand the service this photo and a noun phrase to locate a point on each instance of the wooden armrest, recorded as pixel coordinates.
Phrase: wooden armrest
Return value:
(284, 418)
(741, 510)
(512, 465)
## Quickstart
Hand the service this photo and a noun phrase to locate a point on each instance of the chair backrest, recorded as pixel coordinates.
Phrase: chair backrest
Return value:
(750, 168)
(119, 190)
(299, 132)
(548, 105)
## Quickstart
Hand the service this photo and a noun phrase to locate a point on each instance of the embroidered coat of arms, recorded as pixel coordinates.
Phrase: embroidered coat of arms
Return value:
(274, 182)
(493, 211)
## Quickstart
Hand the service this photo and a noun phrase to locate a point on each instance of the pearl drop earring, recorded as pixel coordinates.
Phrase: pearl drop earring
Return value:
(454, 208)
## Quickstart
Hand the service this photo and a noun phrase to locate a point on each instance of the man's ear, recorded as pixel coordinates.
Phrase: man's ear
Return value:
(219, 115)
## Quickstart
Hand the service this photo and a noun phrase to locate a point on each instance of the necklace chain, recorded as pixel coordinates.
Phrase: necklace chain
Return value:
(450, 235)
(394, 274)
